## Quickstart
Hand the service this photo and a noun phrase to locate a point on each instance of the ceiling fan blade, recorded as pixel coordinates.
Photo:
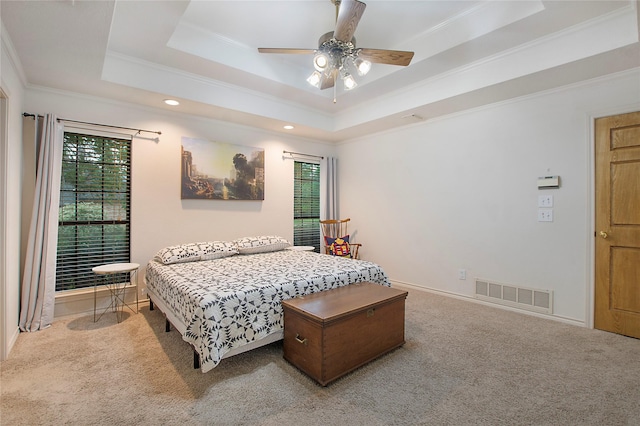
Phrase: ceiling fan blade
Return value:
(348, 17)
(391, 57)
(328, 80)
(286, 50)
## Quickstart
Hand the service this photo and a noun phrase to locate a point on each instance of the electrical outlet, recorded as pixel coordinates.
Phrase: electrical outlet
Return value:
(462, 274)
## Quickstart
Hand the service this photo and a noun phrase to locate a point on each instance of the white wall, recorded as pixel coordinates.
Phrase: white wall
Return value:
(460, 193)
(159, 217)
(425, 200)
(10, 162)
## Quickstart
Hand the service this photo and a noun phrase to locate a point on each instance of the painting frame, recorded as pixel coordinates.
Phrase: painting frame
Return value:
(212, 170)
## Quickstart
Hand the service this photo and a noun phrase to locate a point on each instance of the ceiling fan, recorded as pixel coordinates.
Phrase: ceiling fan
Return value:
(337, 54)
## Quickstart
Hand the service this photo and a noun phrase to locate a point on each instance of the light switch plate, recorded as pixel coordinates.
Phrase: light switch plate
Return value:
(545, 200)
(545, 215)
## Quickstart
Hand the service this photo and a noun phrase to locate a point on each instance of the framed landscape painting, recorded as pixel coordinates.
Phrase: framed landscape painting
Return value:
(221, 171)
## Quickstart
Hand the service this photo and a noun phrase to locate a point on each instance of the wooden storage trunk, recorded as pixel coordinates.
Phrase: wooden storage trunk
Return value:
(331, 333)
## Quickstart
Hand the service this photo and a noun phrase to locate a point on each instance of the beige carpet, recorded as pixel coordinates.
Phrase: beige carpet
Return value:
(463, 364)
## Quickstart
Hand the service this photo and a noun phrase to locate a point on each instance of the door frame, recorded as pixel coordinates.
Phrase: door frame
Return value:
(4, 143)
(590, 304)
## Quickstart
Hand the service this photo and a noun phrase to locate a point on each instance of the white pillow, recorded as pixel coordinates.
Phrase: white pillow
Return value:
(193, 252)
(262, 244)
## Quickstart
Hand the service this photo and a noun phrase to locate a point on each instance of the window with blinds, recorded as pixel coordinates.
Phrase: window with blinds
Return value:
(95, 201)
(306, 205)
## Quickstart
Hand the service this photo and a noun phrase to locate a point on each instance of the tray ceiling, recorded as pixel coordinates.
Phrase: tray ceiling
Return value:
(204, 53)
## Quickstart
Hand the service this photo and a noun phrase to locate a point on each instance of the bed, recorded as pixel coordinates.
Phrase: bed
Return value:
(224, 297)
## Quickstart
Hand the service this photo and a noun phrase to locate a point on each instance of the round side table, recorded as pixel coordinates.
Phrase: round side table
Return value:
(116, 286)
(301, 248)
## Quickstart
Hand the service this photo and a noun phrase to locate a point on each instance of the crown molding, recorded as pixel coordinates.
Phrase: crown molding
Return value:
(7, 46)
(141, 74)
(598, 35)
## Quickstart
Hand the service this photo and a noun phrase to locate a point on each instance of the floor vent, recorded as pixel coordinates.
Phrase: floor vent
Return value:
(518, 297)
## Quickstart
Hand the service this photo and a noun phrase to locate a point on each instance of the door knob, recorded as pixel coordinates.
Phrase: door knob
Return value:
(603, 234)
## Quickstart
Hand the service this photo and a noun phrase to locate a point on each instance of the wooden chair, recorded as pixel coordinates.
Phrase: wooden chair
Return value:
(337, 228)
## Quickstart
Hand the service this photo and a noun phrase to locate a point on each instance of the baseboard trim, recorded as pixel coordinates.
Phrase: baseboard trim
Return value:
(410, 286)
(10, 342)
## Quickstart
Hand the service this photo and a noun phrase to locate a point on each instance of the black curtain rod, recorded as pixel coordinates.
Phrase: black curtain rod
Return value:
(304, 155)
(26, 114)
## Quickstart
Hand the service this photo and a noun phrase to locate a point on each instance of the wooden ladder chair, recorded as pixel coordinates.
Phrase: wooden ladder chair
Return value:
(333, 229)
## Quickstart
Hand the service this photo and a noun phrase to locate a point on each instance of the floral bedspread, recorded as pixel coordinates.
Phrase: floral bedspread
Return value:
(230, 302)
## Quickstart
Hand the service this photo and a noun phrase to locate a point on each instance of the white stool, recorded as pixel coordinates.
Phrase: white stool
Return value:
(301, 248)
(117, 289)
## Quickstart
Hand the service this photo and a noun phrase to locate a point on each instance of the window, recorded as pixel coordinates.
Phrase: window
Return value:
(95, 199)
(306, 205)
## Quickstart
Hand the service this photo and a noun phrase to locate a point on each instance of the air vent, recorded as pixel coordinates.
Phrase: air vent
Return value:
(530, 299)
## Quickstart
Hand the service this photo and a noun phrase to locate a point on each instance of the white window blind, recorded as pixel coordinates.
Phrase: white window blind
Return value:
(95, 205)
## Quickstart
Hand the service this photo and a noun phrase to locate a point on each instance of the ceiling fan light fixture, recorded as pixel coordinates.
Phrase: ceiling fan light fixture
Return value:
(321, 61)
(349, 81)
(363, 66)
(314, 79)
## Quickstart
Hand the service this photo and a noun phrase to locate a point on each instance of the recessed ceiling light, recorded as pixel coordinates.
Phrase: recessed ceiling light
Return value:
(171, 102)
(288, 127)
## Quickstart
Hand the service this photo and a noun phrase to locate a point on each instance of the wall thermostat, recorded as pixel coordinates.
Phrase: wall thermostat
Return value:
(547, 182)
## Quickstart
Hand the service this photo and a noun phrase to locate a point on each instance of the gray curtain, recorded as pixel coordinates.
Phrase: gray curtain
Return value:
(39, 279)
(329, 197)
(328, 191)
